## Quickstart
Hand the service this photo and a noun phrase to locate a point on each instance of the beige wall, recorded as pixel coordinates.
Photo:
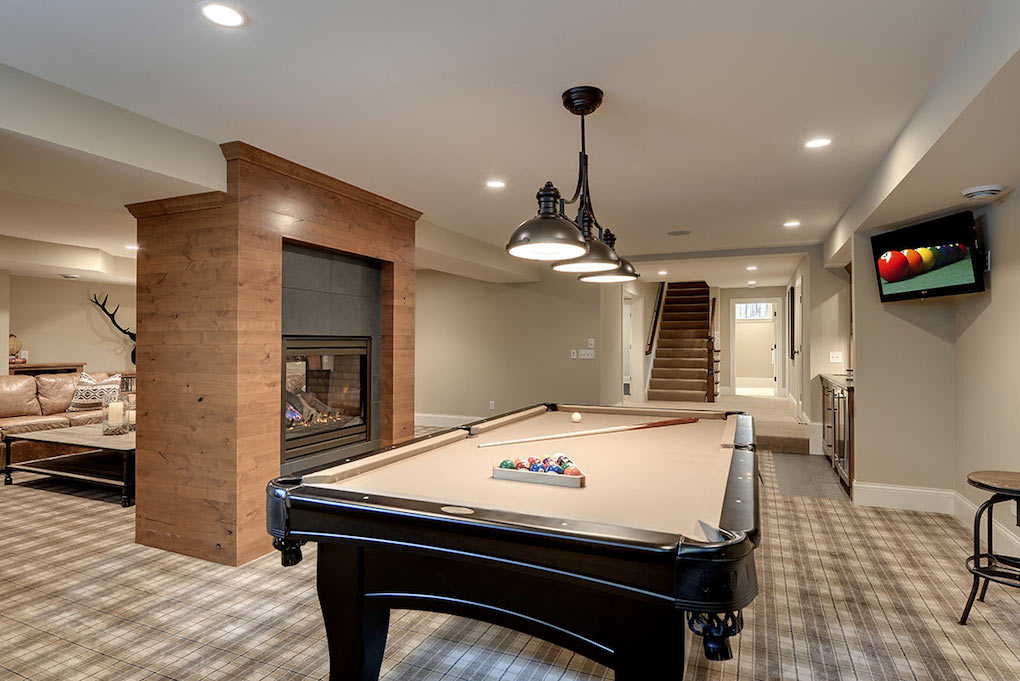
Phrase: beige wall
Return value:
(56, 322)
(477, 341)
(825, 327)
(753, 348)
(5, 316)
(610, 343)
(987, 371)
(905, 399)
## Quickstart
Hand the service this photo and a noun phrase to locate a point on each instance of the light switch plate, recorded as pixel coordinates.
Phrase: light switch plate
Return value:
(573, 354)
(586, 354)
(492, 405)
(835, 357)
(591, 342)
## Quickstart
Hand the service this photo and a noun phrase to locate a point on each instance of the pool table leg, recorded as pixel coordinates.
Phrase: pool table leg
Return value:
(661, 655)
(356, 633)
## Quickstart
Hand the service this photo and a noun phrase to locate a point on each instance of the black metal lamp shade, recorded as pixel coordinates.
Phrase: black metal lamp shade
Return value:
(548, 235)
(625, 272)
(599, 258)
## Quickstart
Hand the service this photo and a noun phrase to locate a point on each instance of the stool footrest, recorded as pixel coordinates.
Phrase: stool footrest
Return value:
(996, 567)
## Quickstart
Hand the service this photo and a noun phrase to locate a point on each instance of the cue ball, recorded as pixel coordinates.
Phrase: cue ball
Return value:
(575, 417)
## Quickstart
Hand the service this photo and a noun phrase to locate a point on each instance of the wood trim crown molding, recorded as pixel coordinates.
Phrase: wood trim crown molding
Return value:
(177, 204)
(237, 150)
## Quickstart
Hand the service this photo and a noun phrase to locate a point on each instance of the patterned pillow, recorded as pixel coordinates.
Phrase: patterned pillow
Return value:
(89, 393)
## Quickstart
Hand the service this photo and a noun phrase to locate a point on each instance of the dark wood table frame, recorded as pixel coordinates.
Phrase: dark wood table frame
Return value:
(616, 595)
(109, 461)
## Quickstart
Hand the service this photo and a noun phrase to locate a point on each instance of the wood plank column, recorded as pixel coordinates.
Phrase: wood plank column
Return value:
(209, 342)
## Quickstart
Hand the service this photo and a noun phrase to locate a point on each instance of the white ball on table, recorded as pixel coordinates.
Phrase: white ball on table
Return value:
(576, 417)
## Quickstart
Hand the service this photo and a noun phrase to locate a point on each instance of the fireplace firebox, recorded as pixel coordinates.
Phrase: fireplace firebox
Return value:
(326, 398)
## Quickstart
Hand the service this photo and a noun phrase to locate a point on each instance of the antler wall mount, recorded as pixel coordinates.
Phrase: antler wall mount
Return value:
(113, 319)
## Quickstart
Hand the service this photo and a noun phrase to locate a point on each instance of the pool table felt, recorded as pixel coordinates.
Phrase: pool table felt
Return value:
(662, 479)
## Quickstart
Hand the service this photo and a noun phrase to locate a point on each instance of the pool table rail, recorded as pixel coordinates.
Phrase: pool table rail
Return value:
(550, 577)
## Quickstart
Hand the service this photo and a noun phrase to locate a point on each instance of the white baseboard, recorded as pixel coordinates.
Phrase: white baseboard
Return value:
(443, 420)
(815, 438)
(935, 500)
(725, 390)
(1006, 540)
(927, 499)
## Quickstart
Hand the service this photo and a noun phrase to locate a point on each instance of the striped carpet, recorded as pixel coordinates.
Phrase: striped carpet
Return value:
(846, 593)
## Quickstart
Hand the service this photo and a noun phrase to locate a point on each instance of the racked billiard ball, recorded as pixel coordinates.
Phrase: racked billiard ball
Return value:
(914, 260)
(507, 463)
(939, 259)
(572, 470)
(522, 464)
(554, 469)
(537, 468)
(927, 259)
(893, 266)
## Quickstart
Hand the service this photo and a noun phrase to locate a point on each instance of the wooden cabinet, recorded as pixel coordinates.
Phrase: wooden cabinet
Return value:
(837, 426)
(36, 369)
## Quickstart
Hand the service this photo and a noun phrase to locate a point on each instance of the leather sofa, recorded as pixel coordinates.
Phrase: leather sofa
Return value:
(33, 403)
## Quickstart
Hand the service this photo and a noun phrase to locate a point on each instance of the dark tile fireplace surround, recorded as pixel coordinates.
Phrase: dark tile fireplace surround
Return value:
(331, 371)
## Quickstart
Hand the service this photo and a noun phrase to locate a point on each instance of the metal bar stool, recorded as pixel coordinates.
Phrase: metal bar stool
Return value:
(990, 566)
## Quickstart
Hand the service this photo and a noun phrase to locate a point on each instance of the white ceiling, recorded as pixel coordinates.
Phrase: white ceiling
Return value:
(707, 104)
(980, 147)
(727, 272)
(53, 193)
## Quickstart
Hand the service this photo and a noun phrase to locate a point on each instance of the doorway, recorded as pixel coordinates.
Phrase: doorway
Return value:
(627, 331)
(755, 349)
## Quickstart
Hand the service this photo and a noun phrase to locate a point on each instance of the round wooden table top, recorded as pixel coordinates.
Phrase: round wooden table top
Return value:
(1003, 482)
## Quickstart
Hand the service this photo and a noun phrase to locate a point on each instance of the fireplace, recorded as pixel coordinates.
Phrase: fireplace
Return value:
(327, 401)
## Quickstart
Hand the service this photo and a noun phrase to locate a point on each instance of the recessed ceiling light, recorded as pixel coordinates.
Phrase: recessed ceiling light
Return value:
(223, 15)
(752, 268)
(663, 272)
(131, 247)
(791, 223)
(818, 142)
(495, 184)
(752, 283)
(679, 232)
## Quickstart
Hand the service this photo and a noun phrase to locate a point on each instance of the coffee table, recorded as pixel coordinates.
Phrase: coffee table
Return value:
(110, 460)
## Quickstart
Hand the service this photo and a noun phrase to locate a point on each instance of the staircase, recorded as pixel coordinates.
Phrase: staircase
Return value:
(684, 364)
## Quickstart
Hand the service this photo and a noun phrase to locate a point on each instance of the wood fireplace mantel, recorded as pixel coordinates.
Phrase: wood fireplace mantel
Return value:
(209, 341)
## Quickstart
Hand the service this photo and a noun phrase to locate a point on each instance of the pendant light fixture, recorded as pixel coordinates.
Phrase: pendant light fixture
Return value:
(619, 274)
(548, 235)
(551, 231)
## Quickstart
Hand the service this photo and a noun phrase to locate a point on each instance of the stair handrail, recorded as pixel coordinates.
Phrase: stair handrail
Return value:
(712, 320)
(711, 350)
(655, 319)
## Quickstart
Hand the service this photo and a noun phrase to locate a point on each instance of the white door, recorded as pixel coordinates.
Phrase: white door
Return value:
(627, 321)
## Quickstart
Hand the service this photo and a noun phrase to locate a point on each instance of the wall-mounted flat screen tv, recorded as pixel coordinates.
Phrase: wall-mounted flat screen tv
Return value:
(935, 258)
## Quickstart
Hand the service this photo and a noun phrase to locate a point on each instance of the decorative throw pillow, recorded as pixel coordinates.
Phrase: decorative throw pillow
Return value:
(89, 393)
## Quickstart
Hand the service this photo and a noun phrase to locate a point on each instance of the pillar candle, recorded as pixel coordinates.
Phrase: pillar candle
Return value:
(131, 417)
(115, 416)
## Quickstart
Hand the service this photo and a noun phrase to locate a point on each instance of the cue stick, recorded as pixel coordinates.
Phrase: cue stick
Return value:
(595, 431)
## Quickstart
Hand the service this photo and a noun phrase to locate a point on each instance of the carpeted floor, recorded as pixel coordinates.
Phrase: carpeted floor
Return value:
(846, 593)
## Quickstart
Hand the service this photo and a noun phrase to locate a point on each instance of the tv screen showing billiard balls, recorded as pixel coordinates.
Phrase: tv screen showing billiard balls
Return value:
(936, 258)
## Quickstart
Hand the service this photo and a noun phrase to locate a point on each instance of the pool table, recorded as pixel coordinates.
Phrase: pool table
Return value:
(660, 536)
